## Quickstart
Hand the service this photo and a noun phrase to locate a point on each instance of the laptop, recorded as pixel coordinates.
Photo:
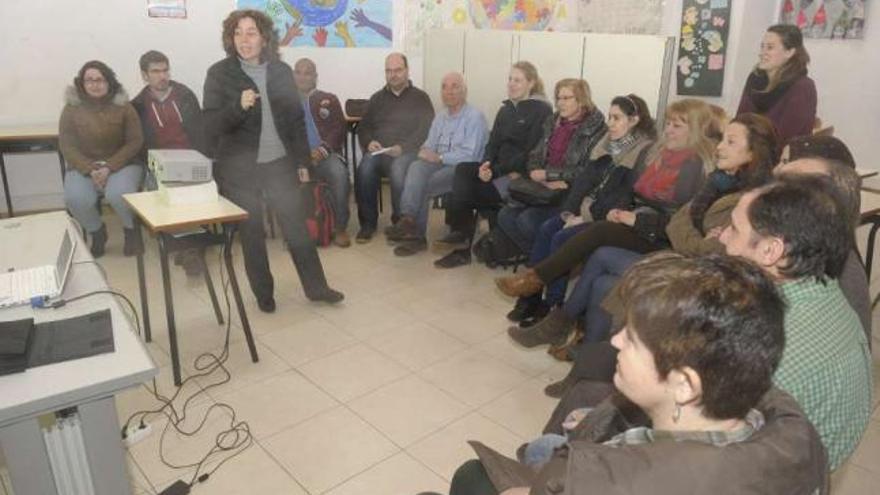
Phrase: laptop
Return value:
(36, 260)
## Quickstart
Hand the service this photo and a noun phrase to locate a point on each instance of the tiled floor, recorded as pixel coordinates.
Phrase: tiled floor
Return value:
(375, 396)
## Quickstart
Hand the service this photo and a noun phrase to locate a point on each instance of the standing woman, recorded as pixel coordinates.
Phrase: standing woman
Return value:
(779, 88)
(99, 136)
(517, 130)
(256, 129)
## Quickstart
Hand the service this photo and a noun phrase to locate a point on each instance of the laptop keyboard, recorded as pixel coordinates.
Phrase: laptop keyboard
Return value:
(20, 286)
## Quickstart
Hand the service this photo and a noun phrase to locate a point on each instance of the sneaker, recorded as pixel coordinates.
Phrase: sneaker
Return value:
(522, 309)
(409, 248)
(326, 295)
(537, 313)
(342, 239)
(365, 235)
(459, 257)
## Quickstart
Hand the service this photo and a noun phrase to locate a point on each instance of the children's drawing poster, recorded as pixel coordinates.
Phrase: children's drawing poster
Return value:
(328, 23)
(702, 47)
(167, 8)
(825, 19)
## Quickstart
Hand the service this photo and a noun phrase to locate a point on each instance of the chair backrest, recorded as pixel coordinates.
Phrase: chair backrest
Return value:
(355, 107)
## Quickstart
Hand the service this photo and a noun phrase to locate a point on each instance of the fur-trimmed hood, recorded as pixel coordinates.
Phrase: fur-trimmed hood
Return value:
(73, 96)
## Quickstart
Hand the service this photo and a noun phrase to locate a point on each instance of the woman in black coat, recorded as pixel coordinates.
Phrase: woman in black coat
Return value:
(261, 159)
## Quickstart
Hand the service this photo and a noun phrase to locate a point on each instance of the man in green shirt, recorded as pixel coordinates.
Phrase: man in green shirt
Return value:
(798, 230)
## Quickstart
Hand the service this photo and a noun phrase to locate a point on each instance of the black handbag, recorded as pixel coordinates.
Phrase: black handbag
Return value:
(529, 192)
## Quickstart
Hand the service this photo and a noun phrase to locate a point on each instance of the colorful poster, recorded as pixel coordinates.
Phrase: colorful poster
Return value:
(328, 23)
(826, 19)
(167, 8)
(588, 16)
(702, 47)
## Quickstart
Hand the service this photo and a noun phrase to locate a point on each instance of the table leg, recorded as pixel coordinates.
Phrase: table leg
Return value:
(233, 280)
(169, 310)
(142, 285)
(27, 458)
(103, 447)
(9, 209)
(211, 292)
(869, 252)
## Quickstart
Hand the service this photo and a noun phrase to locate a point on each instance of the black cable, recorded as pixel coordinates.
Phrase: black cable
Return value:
(235, 439)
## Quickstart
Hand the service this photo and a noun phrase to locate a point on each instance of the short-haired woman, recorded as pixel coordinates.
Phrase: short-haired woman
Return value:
(100, 135)
(696, 411)
(256, 129)
(779, 88)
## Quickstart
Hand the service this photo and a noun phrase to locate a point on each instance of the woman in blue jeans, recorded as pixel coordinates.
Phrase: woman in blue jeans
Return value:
(605, 183)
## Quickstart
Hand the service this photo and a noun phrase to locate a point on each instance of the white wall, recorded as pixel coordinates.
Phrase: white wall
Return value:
(847, 75)
(46, 41)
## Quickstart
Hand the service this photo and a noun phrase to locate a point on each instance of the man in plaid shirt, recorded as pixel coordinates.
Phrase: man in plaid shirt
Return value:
(799, 230)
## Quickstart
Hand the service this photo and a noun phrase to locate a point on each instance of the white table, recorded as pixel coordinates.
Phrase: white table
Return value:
(163, 221)
(89, 384)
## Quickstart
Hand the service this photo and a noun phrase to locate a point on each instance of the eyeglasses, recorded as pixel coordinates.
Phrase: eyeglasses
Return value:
(564, 98)
(96, 82)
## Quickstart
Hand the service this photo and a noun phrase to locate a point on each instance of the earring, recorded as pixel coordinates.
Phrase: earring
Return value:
(676, 413)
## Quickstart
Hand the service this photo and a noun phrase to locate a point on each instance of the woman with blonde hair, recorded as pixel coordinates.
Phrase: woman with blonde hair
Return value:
(673, 176)
(569, 136)
(484, 186)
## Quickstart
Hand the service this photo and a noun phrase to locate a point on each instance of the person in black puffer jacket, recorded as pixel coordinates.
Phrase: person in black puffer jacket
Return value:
(260, 157)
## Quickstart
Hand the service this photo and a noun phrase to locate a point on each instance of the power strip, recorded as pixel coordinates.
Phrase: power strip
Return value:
(136, 433)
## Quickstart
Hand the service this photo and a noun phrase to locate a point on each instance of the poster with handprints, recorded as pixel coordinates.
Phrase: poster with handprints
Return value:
(702, 47)
(328, 23)
(826, 19)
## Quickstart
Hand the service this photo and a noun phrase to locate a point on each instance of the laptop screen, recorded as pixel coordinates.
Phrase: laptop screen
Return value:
(63, 257)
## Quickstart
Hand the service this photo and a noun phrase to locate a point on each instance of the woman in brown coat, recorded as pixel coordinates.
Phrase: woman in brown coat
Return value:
(100, 135)
(696, 414)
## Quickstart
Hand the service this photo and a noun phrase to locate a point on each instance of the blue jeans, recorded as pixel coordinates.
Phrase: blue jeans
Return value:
(81, 195)
(369, 175)
(521, 223)
(333, 171)
(424, 181)
(599, 276)
(551, 236)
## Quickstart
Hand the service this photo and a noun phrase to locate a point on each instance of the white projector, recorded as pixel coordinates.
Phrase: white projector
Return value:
(179, 165)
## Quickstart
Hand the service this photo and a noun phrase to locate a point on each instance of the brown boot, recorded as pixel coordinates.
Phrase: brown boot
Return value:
(520, 285)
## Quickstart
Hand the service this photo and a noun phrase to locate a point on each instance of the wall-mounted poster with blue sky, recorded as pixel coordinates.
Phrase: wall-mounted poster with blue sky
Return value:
(330, 23)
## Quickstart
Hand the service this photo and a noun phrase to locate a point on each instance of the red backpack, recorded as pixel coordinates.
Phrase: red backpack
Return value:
(320, 216)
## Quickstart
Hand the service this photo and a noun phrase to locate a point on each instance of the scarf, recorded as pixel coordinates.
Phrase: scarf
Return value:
(764, 101)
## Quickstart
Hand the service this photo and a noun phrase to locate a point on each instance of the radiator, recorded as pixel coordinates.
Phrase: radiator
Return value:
(67, 454)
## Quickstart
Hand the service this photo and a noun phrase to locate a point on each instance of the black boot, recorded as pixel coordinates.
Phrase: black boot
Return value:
(134, 245)
(99, 240)
(311, 275)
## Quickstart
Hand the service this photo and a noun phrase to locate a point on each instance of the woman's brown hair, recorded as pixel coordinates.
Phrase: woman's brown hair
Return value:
(264, 25)
(796, 66)
(581, 90)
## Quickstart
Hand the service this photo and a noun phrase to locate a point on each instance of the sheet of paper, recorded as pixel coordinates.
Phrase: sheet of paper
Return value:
(381, 151)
